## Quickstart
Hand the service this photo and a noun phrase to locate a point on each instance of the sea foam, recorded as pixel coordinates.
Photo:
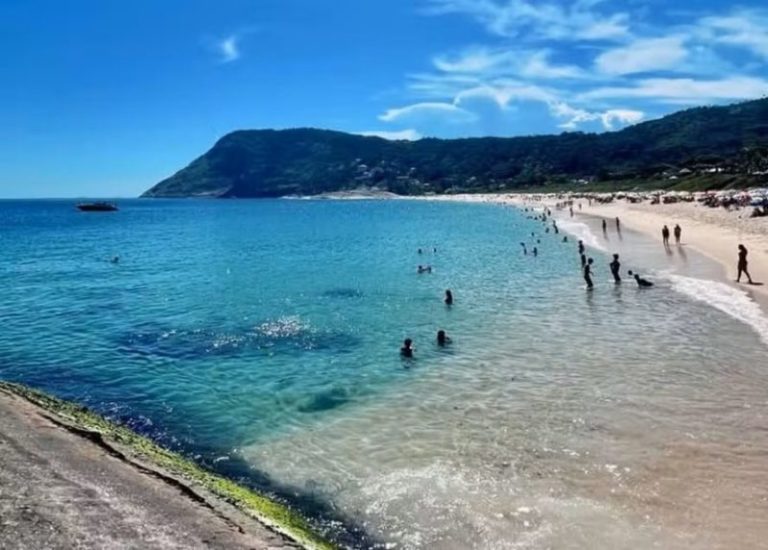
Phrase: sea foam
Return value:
(732, 301)
(582, 232)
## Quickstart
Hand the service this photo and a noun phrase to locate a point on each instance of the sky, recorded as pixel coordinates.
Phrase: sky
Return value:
(105, 98)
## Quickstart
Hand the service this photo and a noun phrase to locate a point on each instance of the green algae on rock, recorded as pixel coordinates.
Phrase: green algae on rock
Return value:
(78, 418)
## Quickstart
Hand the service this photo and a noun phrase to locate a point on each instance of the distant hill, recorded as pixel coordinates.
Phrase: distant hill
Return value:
(272, 163)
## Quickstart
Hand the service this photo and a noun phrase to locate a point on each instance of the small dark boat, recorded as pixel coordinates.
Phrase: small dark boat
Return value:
(96, 207)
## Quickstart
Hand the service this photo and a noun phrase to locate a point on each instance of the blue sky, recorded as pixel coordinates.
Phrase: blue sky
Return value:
(107, 97)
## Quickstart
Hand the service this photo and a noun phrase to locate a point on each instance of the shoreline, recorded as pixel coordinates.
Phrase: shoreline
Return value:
(714, 233)
(64, 442)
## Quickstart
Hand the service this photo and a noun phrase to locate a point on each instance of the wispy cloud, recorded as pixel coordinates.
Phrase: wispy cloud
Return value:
(686, 90)
(646, 55)
(583, 64)
(746, 29)
(228, 49)
(579, 20)
(449, 112)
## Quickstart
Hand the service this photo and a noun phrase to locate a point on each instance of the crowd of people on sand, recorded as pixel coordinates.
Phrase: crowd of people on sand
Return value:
(587, 264)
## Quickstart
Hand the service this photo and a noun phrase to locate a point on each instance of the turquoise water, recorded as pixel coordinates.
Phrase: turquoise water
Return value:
(265, 335)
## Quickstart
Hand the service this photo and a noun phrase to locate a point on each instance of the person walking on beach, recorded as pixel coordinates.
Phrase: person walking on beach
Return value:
(448, 298)
(615, 266)
(605, 226)
(665, 235)
(742, 266)
(588, 274)
(678, 233)
(618, 224)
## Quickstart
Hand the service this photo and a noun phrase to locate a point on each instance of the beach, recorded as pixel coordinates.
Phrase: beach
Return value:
(714, 232)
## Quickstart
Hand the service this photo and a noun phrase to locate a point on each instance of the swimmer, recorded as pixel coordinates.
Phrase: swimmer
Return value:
(565, 239)
(642, 283)
(442, 339)
(421, 251)
(448, 298)
(525, 249)
(615, 266)
(407, 351)
(115, 260)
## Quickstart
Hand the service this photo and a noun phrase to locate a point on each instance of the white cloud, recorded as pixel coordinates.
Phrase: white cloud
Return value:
(579, 21)
(506, 62)
(747, 29)
(686, 90)
(503, 93)
(609, 119)
(643, 55)
(444, 111)
(228, 49)
(398, 135)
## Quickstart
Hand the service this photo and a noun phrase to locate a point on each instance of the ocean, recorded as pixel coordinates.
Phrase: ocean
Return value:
(261, 338)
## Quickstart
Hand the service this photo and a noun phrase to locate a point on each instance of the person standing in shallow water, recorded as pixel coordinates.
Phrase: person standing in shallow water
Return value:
(588, 274)
(615, 266)
(665, 235)
(442, 339)
(581, 247)
(742, 265)
(678, 233)
(448, 298)
(407, 350)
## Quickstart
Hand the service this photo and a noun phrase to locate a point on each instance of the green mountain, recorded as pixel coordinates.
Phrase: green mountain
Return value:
(272, 163)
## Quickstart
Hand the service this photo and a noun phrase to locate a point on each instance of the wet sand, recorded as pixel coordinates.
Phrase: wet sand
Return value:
(61, 490)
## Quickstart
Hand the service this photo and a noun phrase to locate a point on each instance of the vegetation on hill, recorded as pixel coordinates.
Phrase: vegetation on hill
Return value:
(706, 141)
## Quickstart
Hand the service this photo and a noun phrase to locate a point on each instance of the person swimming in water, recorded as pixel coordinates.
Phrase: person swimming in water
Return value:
(742, 265)
(407, 350)
(588, 274)
(565, 239)
(442, 339)
(642, 283)
(448, 298)
(615, 266)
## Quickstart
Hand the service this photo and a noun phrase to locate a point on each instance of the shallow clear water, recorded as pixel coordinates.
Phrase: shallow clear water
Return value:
(266, 334)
